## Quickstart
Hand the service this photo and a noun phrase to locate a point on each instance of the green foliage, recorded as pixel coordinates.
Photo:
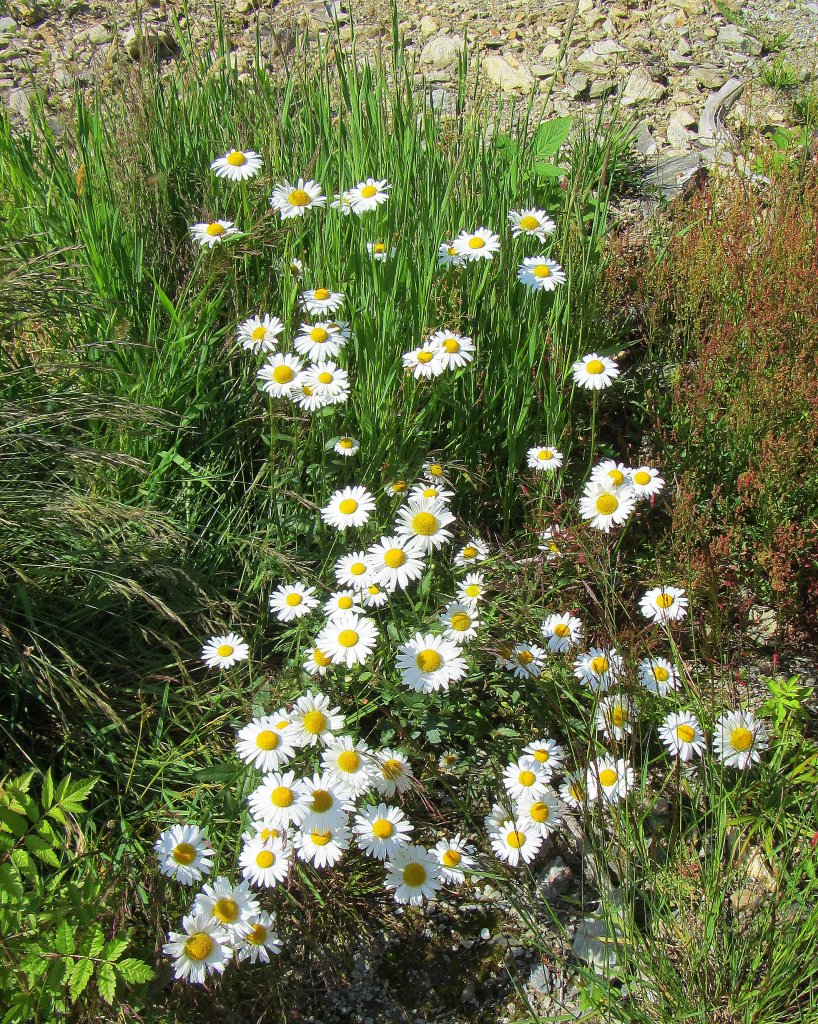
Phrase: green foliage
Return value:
(53, 950)
(780, 74)
(733, 15)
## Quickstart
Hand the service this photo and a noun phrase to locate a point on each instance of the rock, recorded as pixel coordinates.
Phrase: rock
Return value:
(600, 53)
(555, 879)
(550, 52)
(640, 88)
(601, 87)
(540, 979)
(30, 14)
(7, 26)
(428, 26)
(678, 133)
(762, 624)
(19, 102)
(577, 83)
(444, 101)
(508, 74)
(98, 34)
(709, 76)
(644, 141)
(442, 51)
(148, 41)
(735, 38)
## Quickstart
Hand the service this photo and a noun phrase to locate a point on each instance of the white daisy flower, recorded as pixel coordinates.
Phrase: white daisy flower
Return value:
(293, 601)
(304, 395)
(429, 662)
(525, 776)
(574, 792)
(448, 762)
(321, 300)
(349, 765)
(313, 720)
(260, 333)
(430, 491)
(471, 553)
(610, 778)
(612, 473)
(183, 852)
(351, 506)
(391, 773)
(455, 857)
(210, 234)
(329, 380)
(549, 544)
(278, 801)
(232, 906)
(544, 459)
(548, 753)
(531, 221)
(201, 948)
(317, 663)
(658, 675)
(395, 561)
(344, 601)
(447, 256)
(343, 328)
(380, 830)
(514, 841)
(527, 661)
(368, 195)
(739, 738)
(327, 806)
(237, 165)
(646, 481)
(319, 341)
(613, 717)
(263, 745)
(476, 245)
(322, 847)
(664, 604)
(562, 632)
(413, 874)
(349, 639)
(541, 274)
(454, 350)
(598, 669)
(460, 621)
(380, 251)
(374, 596)
(264, 862)
(225, 651)
(353, 570)
(261, 941)
(434, 471)
(296, 268)
(397, 488)
(347, 446)
(595, 372)
(294, 200)
(426, 520)
(342, 203)
(472, 589)
(424, 362)
(541, 812)
(266, 832)
(682, 735)
(278, 375)
(606, 506)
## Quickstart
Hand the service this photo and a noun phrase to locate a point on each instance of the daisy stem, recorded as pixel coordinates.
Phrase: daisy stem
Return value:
(594, 400)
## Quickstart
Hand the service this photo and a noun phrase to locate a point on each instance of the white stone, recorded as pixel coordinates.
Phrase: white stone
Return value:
(428, 26)
(640, 88)
(508, 74)
(442, 51)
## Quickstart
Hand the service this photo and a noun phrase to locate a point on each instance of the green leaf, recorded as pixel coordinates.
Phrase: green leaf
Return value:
(134, 970)
(106, 982)
(47, 796)
(64, 938)
(10, 884)
(543, 170)
(550, 135)
(80, 977)
(95, 942)
(115, 949)
(42, 850)
(12, 822)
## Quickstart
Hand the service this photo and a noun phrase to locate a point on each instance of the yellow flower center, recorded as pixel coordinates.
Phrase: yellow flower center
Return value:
(425, 356)
(516, 840)
(225, 910)
(282, 796)
(436, 469)
(368, 191)
(322, 294)
(392, 769)
(616, 476)
(357, 569)
(741, 738)
(542, 271)
(430, 492)
(428, 660)
(345, 603)
(473, 590)
(451, 251)
(600, 665)
(529, 223)
(539, 812)
(325, 377)
(373, 589)
(283, 723)
(259, 333)
(348, 506)
(425, 524)
(661, 675)
(606, 504)
(382, 828)
(215, 229)
(576, 791)
(265, 859)
(321, 801)
(293, 600)
(399, 486)
(664, 600)
(619, 716)
(460, 622)
(451, 858)
(607, 777)
(525, 657)
(184, 853)
(542, 755)
(545, 455)
(346, 443)
(298, 197)
(379, 247)
(267, 740)
(199, 946)
(283, 374)
(594, 366)
(269, 833)
(258, 935)
(477, 242)
(318, 334)
(526, 778)
(561, 630)
(236, 158)
(348, 761)
(641, 477)
(414, 875)
(685, 733)
(314, 722)
(320, 838)
(320, 658)
(224, 650)
(470, 551)
(348, 638)
(451, 345)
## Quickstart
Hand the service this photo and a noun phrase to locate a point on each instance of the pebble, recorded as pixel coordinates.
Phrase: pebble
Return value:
(640, 88)
(428, 27)
(508, 74)
(7, 26)
(442, 51)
